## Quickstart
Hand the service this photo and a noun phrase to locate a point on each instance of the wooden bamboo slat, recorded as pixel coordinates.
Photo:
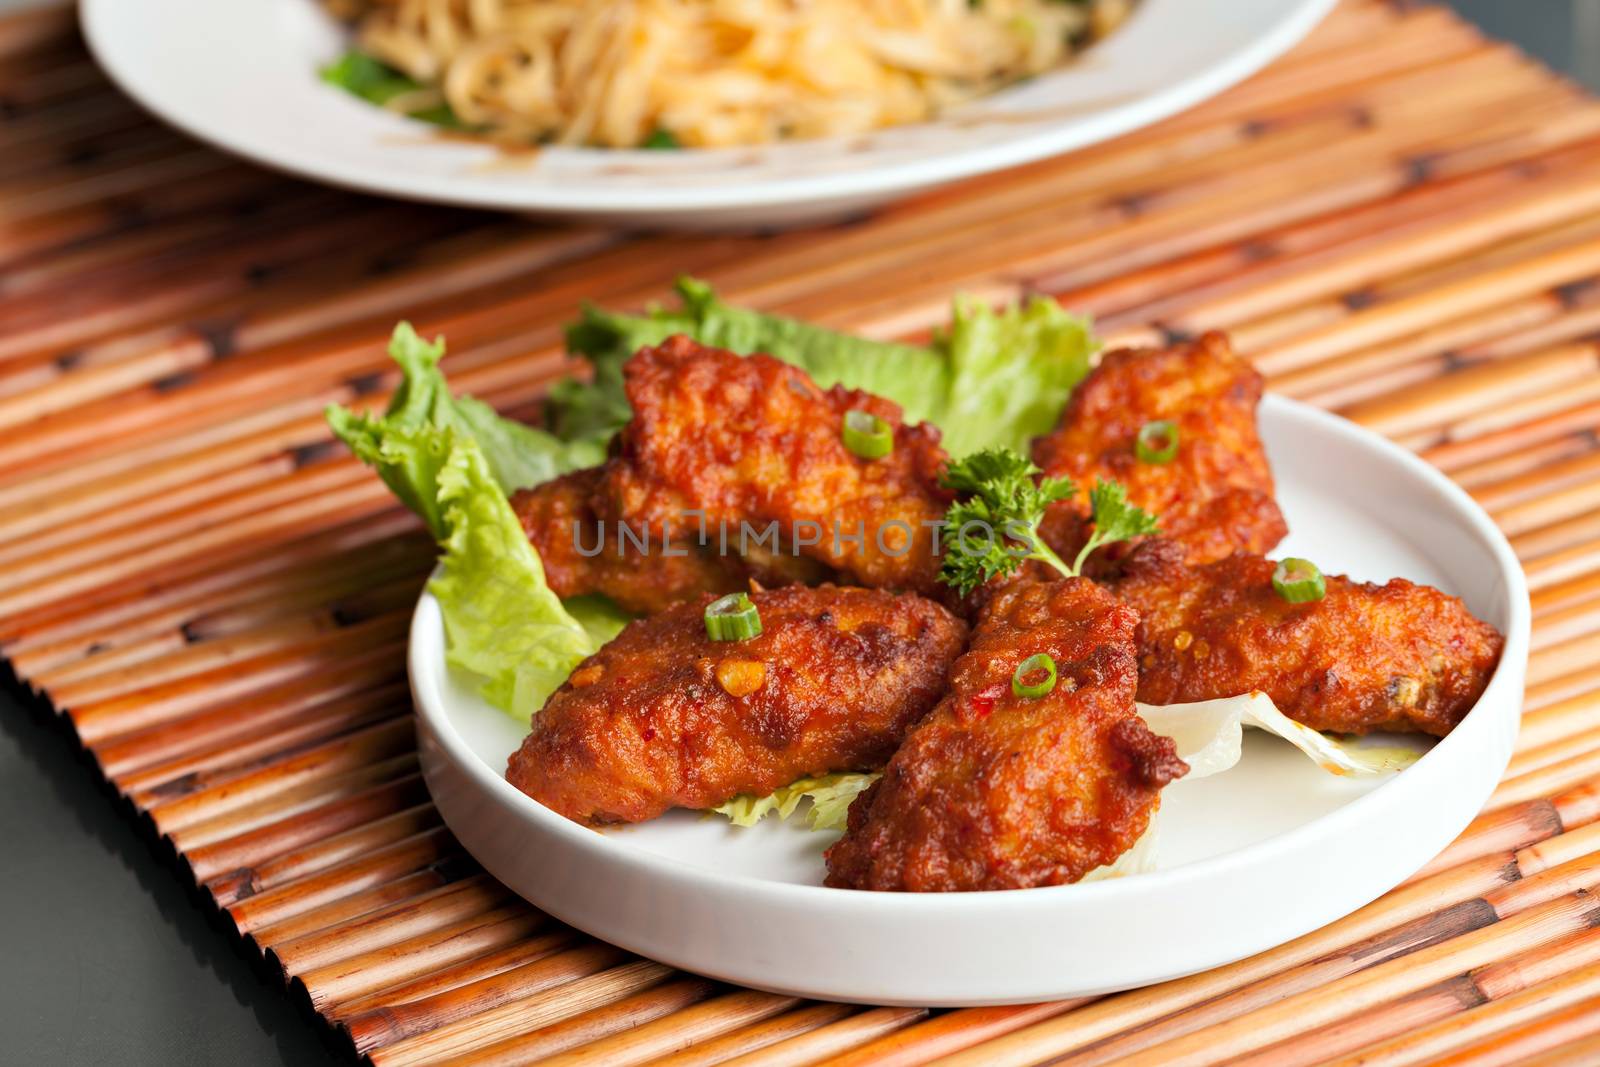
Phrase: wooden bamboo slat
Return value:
(1399, 220)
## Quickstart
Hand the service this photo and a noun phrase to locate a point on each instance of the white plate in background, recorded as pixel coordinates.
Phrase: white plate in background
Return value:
(1248, 859)
(242, 74)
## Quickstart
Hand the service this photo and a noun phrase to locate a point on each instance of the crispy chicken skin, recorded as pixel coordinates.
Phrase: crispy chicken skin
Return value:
(664, 717)
(1366, 657)
(559, 518)
(754, 440)
(1215, 496)
(997, 791)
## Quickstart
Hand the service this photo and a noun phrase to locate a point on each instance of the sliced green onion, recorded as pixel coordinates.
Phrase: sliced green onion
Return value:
(867, 435)
(1299, 581)
(732, 618)
(1035, 665)
(1157, 442)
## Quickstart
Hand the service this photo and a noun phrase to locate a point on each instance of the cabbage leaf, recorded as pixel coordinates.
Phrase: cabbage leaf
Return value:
(1210, 739)
(1209, 735)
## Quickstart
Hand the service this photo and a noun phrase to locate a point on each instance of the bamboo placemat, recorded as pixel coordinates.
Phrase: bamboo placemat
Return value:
(1400, 221)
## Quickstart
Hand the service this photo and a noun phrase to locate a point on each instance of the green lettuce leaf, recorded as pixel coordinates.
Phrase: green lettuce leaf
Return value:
(406, 453)
(1011, 372)
(597, 409)
(503, 624)
(994, 378)
(455, 463)
(830, 797)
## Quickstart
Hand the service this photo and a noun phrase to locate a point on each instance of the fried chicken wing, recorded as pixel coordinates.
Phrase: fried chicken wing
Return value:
(1215, 496)
(1366, 657)
(753, 447)
(997, 791)
(665, 717)
(583, 553)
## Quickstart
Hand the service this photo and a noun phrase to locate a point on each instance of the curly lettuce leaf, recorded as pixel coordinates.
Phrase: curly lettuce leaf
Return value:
(403, 444)
(455, 462)
(993, 378)
(503, 625)
(599, 616)
(596, 409)
(1010, 372)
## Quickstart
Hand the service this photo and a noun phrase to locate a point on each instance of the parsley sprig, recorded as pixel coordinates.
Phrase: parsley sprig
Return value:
(994, 528)
(1115, 519)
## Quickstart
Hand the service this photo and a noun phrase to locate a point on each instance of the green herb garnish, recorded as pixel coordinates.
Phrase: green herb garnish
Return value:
(732, 618)
(866, 435)
(378, 83)
(1034, 676)
(1299, 581)
(994, 529)
(1157, 442)
(1114, 520)
(661, 139)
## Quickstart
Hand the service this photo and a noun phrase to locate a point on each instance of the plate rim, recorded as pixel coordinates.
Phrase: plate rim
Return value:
(651, 864)
(873, 183)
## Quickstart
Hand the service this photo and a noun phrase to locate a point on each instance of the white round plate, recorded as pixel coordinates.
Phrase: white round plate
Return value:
(243, 76)
(1248, 859)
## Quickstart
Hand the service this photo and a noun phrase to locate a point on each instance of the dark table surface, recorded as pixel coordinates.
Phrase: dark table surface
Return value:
(104, 955)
